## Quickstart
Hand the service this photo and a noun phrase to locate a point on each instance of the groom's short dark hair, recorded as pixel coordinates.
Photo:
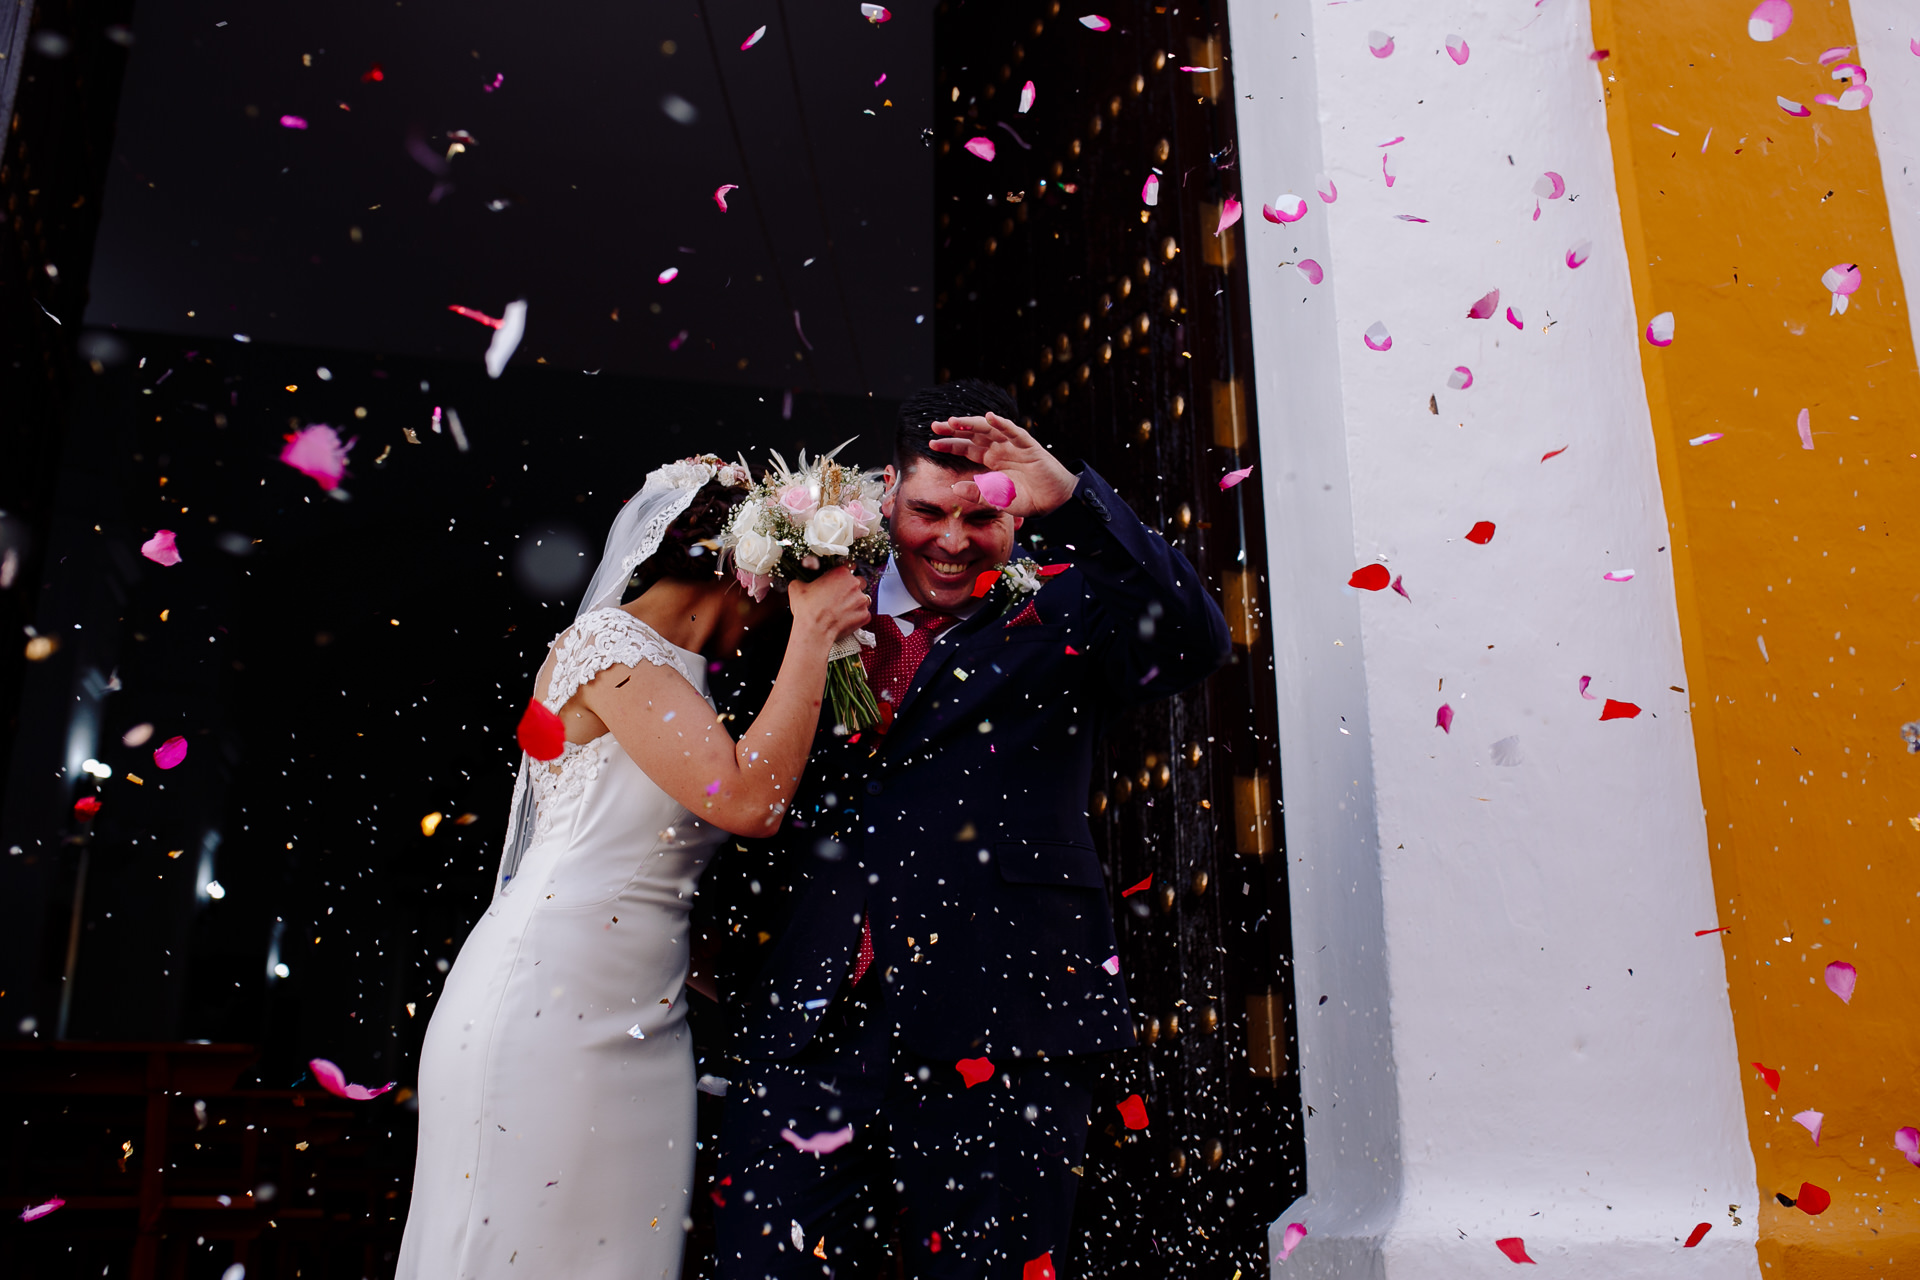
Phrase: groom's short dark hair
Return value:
(961, 398)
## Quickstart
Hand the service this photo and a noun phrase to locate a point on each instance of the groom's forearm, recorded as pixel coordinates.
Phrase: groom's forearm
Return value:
(1164, 631)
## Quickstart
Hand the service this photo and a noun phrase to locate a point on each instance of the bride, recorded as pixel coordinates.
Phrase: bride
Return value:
(556, 1079)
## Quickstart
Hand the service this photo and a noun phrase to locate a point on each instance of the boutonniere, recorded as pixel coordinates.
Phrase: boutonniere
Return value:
(1023, 578)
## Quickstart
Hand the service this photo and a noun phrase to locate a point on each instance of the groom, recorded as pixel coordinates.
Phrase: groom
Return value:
(922, 1021)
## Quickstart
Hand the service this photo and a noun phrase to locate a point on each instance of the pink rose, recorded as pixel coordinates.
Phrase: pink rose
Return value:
(864, 515)
(754, 584)
(799, 502)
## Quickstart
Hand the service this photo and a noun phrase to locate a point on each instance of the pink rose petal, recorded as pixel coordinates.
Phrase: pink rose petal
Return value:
(1834, 54)
(982, 147)
(35, 1212)
(1578, 255)
(160, 548)
(1150, 190)
(1460, 379)
(819, 1144)
(1386, 168)
(1708, 438)
(1229, 214)
(1841, 280)
(1485, 307)
(1457, 50)
(1907, 1140)
(1618, 575)
(1324, 188)
(1094, 22)
(1400, 586)
(996, 488)
(1804, 423)
(334, 1081)
(752, 40)
(1288, 208)
(316, 451)
(1380, 43)
(1290, 1239)
(1841, 978)
(720, 194)
(1550, 186)
(1913, 46)
(1377, 338)
(292, 122)
(1812, 1120)
(1770, 20)
(1660, 329)
(1311, 270)
(1443, 719)
(1111, 964)
(1793, 108)
(1850, 71)
(1026, 97)
(1233, 478)
(1515, 319)
(1584, 682)
(876, 14)
(170, 753)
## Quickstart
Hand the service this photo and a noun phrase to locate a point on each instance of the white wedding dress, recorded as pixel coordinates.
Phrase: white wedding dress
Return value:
(557, 1078)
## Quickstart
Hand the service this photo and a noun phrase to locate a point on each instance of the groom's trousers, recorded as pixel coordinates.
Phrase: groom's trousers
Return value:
(978, 1180)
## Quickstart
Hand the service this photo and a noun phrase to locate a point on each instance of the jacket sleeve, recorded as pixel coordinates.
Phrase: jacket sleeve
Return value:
(1156, 629)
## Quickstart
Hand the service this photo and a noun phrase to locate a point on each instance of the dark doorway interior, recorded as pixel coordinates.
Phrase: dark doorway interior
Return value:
(1119, 317)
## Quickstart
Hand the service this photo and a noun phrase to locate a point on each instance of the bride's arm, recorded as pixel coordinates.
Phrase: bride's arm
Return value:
(673, 735)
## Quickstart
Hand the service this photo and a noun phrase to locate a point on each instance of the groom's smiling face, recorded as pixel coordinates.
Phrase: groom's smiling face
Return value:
(941, 541)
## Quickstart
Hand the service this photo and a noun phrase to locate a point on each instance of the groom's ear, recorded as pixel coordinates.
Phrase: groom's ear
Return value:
(891, 479)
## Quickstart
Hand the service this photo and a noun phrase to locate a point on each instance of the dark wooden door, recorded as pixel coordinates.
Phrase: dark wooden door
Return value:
(1121, 326)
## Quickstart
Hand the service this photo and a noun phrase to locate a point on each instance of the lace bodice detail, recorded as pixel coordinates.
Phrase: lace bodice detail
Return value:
(593, 643)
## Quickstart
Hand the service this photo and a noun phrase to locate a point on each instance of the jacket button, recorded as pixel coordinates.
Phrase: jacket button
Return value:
(873, 788)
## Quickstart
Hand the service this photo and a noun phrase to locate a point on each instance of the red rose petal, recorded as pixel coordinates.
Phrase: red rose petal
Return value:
(1129, 892)
(1134, 1112)
(1812, 1200)
(1514, 1247)
(1370, 577)
(1612, 710)
(1771, 1076)
(1040, 1268)
(541, 734)
(1482, 532)
(984, 583)
(86, 806)
(1556, 453)
(1699, 1234)
(974, 1070)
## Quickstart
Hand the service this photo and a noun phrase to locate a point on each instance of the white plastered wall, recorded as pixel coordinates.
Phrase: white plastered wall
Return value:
(1521, 1035)
(1887, 30)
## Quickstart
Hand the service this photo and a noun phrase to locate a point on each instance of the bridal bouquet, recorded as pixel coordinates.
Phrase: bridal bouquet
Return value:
(800, 524)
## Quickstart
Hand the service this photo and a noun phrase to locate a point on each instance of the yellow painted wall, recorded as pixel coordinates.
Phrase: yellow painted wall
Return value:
(1807, 786)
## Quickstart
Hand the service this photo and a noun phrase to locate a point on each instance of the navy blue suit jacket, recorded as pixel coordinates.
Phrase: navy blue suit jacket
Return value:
(963, 830)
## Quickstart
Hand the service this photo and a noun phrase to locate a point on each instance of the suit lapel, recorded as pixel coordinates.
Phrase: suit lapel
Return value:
(948, 642)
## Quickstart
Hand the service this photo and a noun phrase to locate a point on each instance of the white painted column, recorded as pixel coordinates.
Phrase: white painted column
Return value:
(1520, 1033)
(1887, 31)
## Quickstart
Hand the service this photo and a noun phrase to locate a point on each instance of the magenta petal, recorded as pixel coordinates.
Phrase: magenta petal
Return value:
(316, 451)
(1380, 43)
(292, 122)
(1856, 98)
(1514, 318)
(1026, 97)
(1834, 54)
(329, 1077)
(160, 548)
(1913, 46)
(876, 14)
(1386, 168)
(1584, 682)
(1233, 478)
(1618, 575)
(1377, 338)
(1150, 190)
(1842, 277)
(1812, 1120)
(1850, 71)
(720, 194)
(1229, 214)
(1460, 379)
(1770, 20)
(1708, 438)
(820, 1144)
(1660, 329)
(1486, 307)
(1907, 1140)
(1793, 108)
(33, 1213)
(1805, 425)
(170, 753)
(1578, 255)
(1311, 270)
(1288, 208)
(982, 147)
(1094, 22)
(1550, 186)
(1400, 585)
(753, 39)
(1825, 100)
(996, 488)
(1443, 719)
(1325, 189)
(1841, 978)
(668, 276)
(1457, 50)
(1111, 964)
(1290, 1239)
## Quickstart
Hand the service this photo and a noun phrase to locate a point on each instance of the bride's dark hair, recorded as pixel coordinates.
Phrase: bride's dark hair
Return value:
(690, 551)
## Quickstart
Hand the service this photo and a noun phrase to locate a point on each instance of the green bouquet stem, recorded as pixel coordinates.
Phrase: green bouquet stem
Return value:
(849, 696)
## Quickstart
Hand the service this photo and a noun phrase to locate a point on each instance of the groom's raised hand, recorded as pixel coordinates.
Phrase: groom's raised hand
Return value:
(1040, 484)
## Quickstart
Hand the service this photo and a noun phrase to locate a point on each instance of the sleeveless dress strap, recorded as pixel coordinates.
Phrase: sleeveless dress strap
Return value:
(596, 642)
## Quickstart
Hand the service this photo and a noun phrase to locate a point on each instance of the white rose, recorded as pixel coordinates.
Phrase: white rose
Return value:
(756, 552)
(832, 532)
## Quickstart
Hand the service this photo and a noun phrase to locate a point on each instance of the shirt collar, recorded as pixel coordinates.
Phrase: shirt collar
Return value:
(894, 600)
